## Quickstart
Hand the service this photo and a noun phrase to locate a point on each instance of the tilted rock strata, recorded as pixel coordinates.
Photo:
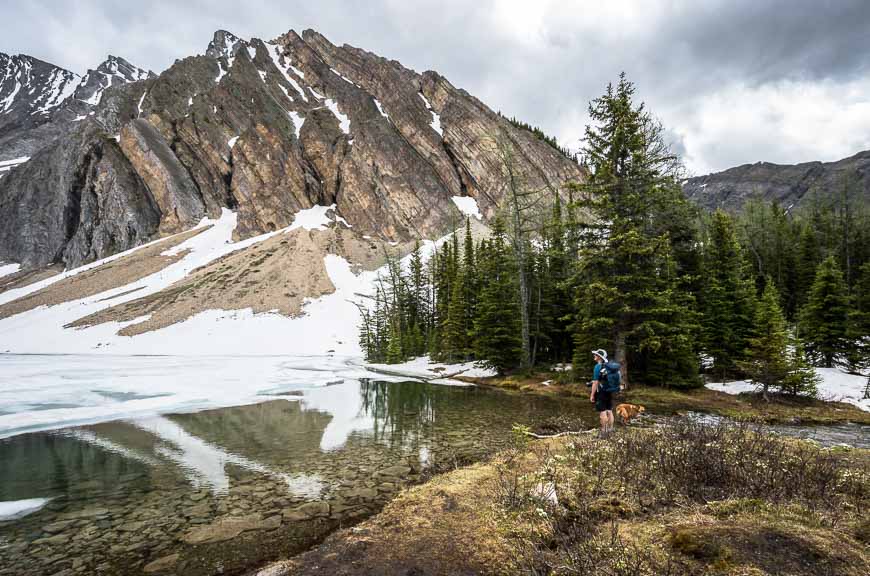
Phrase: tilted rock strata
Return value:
(266, 129)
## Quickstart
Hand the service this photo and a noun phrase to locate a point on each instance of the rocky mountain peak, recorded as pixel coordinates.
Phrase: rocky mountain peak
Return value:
(787, 185)
(31, 86)
(266, 130)
(224, 45)
(111, 72)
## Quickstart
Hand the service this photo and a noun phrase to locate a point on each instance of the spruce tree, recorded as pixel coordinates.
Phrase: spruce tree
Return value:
(457, 335)
(859, 321)
(497, 327)
(802, 379)
(767, 362)
(824, 318)
(394, 345)
(627, 291)
(728, 296)
(470, 282)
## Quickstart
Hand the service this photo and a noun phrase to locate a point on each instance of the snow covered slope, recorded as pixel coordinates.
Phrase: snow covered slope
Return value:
(835, 386)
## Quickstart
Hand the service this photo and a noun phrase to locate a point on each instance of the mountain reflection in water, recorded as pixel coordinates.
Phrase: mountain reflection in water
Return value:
(118, 495)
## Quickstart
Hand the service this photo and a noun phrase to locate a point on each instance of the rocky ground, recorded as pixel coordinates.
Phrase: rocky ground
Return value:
(114, 274)
(276, 275)
(543, 506)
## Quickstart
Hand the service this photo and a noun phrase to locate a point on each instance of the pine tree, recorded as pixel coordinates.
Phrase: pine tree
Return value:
(470, 282)
(498, 342)
(627, 288)
(824, 318)
(802, 379)
(457, 335)
(767, 360)
(728, 296)
(394, 345)
(858, 334)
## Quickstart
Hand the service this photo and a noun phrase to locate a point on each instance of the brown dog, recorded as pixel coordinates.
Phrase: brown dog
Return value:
(628, 411)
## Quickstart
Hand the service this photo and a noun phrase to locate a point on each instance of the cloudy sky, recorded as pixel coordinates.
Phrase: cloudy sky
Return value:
(734, 81)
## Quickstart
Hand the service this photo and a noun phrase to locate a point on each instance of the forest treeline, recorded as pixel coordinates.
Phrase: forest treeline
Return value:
(624, 262)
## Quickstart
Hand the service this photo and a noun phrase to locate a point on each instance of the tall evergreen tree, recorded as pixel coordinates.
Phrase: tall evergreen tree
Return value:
(457, 334)
(498, 340)
(471, 286)
(628, 291)
(824, 318)
(859, 321)
(728, 296)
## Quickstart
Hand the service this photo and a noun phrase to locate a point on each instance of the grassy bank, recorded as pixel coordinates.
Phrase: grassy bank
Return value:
(663, 401)
(677, 500)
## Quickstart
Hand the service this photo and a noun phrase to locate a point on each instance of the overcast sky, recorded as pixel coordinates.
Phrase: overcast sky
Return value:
(734, 81)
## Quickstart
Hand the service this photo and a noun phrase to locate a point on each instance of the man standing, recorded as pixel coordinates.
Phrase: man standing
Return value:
(602, 398)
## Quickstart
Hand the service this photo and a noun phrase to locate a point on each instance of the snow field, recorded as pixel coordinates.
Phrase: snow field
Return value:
(836, 386)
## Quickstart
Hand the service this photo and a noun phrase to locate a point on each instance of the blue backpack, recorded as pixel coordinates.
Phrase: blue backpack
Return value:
(610, 377)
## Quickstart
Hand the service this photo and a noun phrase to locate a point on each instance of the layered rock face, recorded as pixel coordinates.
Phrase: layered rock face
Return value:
(265, 129)
(788, 185)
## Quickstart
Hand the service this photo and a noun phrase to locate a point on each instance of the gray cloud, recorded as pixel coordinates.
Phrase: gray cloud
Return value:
(733, 81)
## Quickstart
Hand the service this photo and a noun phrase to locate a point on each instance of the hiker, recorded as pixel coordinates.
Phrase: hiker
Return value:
(602, 391)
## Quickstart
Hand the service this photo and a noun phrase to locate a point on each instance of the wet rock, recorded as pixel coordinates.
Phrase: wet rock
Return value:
(307, 511)
(227, 528)
(57, 527)
(398, 470)
(201, 510)
(85, 513)
(162, 564)
(55, 540)
(131, 527)
(362, 493)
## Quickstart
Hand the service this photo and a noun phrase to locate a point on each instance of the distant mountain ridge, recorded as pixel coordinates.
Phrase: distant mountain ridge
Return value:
(788, 185)
(265, 129)
(38, 99)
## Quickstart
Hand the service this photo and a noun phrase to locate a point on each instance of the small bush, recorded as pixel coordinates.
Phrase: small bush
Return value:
(726, 470)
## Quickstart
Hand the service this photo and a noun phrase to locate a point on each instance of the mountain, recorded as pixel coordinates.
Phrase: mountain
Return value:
(261, 181)
(788, 185)
(265, 129)
(38, 101)
(30, 91)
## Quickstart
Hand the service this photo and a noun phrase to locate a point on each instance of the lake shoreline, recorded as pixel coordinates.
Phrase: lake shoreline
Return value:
(458, 522)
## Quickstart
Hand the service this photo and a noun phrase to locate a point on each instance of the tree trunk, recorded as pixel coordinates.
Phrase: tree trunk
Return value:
(620, 355)
(524, 303)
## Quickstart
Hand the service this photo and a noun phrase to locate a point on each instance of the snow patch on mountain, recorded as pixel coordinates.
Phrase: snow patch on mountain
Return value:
(381, 109)
(7, 269)
(343, 120)
(62, 86)
(297, 120)
(7, 165)
(436, 119)
(468, 206)
(276, 56)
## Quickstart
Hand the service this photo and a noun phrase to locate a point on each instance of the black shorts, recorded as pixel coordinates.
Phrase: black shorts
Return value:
(603, 400)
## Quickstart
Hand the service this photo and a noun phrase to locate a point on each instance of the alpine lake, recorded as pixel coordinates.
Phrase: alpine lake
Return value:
(227, 490)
